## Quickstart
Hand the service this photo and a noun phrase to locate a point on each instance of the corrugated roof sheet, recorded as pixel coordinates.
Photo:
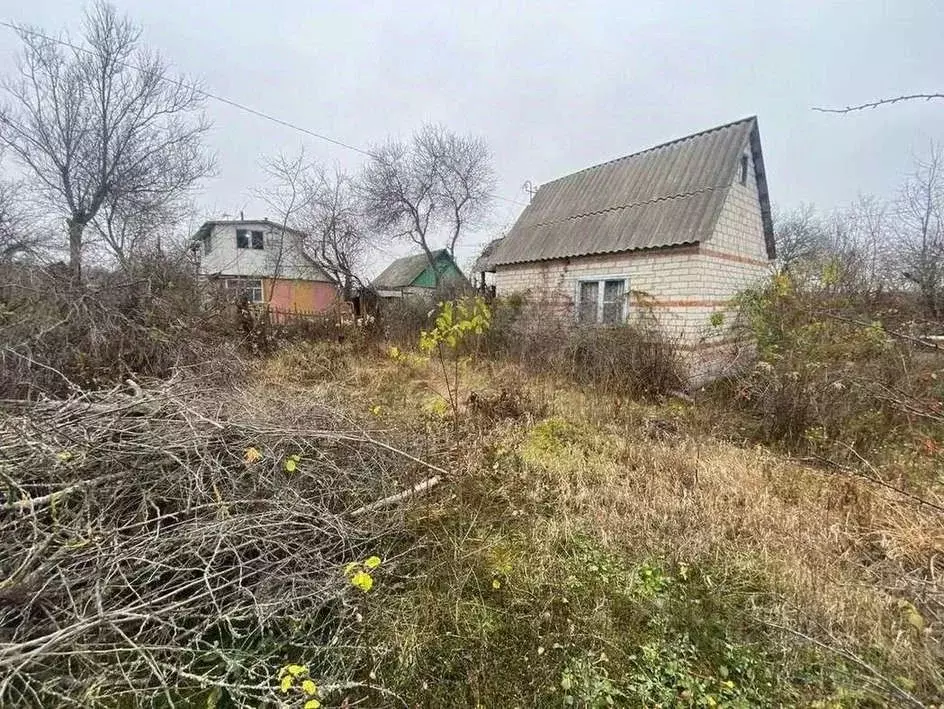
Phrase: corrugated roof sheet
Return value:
(402, 272)
(668, 195)
(484, 261)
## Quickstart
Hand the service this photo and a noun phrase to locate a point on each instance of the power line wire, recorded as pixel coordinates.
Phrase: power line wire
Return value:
(224, 100)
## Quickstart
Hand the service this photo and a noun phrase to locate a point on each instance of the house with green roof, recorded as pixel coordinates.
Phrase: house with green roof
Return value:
(415, 275)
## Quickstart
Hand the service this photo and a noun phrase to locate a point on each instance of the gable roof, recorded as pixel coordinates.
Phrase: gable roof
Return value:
(484, 261)
(402, 272)
(668, 195)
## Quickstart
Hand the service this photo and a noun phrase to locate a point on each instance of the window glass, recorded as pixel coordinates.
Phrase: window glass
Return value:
(257, 239)
(587, 307)
(248, 288)
(208, 244)
(242, 238)
(613, 298)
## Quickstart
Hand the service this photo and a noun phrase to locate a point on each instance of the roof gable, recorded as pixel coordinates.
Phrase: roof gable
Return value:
(406, 271)
(668, 195)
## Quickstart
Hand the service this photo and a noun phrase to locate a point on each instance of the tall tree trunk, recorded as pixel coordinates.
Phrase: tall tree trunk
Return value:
(76, 227)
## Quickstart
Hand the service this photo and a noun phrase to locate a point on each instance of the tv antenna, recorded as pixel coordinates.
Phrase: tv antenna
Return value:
(529, 187)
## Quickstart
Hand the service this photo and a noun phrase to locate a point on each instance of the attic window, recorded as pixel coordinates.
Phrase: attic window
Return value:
(743, 171)
(246, 239)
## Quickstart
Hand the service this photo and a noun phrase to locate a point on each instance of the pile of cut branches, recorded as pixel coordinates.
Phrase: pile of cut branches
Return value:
(166, 546)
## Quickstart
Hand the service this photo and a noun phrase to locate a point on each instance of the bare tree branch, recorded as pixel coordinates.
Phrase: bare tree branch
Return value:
(436, 186)
(880, 102)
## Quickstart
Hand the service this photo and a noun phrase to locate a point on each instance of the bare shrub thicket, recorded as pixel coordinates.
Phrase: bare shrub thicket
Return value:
(839, 376)
(632, 359)
(885, 247)
(402, 319)
(178, 546)
(57, 339)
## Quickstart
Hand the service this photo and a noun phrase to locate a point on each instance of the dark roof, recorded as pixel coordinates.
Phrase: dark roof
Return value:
(484, 261)
(402, 272)
(207, 227)
(668, 195)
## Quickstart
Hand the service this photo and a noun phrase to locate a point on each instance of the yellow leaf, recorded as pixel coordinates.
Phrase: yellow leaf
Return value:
(290, 466)
(312, 704)
(496, 584)
(362, 580)
(372, 562)
(912, 615)
(309, 687)
(64, 456)
(351, 568)
(286, 683)
(296, 670)
(252, 455)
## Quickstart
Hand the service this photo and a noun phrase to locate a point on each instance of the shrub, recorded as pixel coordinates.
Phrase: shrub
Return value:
(403, 319)
(831, 380)
(56, 339)
(631, 359)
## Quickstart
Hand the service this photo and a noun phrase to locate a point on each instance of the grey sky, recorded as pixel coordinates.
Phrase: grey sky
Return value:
(553, 87)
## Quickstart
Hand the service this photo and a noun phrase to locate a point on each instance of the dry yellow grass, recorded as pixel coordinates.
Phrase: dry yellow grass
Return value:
(841, 560)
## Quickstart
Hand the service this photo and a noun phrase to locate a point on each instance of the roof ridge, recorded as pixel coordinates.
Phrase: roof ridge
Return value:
(654, 147)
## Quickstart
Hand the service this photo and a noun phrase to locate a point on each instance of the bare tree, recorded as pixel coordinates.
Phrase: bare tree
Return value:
(128, 229)
(800, 235)
(339, 239)
(871, 243)
(436, 186)
(288, 193)
(921, 230)
(323, 205)
(101, 123)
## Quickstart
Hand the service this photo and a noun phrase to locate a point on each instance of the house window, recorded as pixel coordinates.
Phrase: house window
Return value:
(743, 171)
(246, 239)
(614, 293)
(249, 289)
(601, 301)
(207, 244)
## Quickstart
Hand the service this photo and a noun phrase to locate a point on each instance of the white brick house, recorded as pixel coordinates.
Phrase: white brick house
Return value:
(675, 231)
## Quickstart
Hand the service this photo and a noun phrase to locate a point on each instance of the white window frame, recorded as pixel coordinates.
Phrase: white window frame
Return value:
(601, 288)
(245, 284)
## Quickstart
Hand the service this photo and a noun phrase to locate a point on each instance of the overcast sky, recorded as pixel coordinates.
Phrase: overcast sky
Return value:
(552, 87)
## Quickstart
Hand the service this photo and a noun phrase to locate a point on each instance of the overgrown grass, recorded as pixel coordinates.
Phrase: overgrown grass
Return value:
(589, 551)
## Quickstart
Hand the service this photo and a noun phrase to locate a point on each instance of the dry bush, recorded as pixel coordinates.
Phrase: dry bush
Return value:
(631, 360)
(402, 319)
(57, 339)
(266, 331)
(832, 380)
(176, 547)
